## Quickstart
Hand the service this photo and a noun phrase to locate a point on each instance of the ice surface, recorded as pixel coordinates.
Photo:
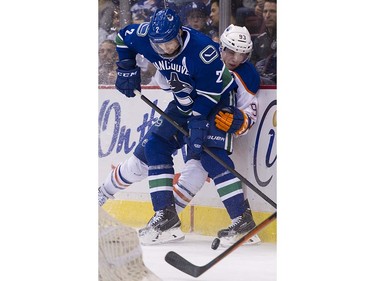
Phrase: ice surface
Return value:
(247, 263)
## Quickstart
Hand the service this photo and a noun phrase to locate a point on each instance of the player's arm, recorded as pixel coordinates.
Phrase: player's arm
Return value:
(240, 119)
(248, 81)
(212, 80)
(128, 73)
(162, 82)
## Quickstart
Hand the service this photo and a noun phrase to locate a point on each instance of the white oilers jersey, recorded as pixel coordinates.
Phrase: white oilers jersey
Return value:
(197, 76)
(248, 82)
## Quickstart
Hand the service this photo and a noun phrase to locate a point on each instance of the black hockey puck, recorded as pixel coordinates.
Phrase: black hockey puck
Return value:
(215, 244)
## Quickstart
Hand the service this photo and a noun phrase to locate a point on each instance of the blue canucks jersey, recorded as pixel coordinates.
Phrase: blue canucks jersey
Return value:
(197, 76)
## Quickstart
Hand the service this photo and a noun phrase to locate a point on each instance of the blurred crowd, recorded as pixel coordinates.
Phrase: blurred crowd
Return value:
(258, 16)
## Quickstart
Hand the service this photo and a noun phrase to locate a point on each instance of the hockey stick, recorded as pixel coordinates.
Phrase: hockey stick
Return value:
(207, 150)
(187, 267)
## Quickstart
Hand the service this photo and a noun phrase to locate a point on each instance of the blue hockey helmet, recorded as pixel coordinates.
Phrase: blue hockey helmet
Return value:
(164, 33)
(164, 26)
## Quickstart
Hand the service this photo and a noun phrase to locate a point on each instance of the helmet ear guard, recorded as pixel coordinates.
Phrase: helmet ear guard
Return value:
(237, 39)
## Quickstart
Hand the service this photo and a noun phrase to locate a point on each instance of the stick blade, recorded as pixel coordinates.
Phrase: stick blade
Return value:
(183, 265)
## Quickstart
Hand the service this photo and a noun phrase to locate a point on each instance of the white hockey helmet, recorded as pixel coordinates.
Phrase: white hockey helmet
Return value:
(237, 39)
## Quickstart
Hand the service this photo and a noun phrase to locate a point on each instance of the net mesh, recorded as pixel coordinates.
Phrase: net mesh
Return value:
(120, 254)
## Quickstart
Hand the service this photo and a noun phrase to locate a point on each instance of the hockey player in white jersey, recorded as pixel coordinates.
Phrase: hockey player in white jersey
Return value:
(236, 48)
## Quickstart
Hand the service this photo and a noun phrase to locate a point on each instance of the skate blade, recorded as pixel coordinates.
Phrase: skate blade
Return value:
(153, 237)
(226, 242)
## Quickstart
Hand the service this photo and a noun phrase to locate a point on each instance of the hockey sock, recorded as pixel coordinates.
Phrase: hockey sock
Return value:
(228, 186)
(158, 152)
(161, 186)
(191, 180)
(231, 194)
(182, 197)
(126, 173)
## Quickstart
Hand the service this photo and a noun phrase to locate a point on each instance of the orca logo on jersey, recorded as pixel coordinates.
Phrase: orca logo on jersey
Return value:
(178, 85)
(208, 54)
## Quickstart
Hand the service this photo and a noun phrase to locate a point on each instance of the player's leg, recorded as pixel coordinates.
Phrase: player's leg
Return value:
(124, 174)
(164, 226)
(228, 186)
(191, 180)
(230, 191)
(128, 172)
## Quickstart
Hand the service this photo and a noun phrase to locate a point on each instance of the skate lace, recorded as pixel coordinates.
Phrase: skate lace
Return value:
(235, 222)
(157, 217)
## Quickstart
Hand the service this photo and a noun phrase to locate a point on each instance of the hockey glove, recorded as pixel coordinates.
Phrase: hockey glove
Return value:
(198, 129)
(128, 77)
(232, 120)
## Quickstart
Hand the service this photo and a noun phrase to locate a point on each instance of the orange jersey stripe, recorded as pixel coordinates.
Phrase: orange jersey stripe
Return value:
(243, 83)
(183, 197)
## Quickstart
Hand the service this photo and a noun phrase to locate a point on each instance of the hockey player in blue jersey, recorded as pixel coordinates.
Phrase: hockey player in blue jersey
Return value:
(201, 86)
(236, 48)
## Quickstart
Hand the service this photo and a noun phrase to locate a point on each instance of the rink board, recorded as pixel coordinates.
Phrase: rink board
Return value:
(122, 122)
(202, 220)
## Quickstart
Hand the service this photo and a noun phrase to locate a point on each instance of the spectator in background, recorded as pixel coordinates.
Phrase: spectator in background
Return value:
(107, 62)
(259, 13)
(247, 17)
(215, 15)
(259, 8)
(265, 43)
(115, 25)
(197, 17)
(215, 36)
(106, 11)
(143, 9)
(107, 65)
(267, 70)
(250, 4)
(264, 50)
(207, 3)
(139, 16)
(178, 6)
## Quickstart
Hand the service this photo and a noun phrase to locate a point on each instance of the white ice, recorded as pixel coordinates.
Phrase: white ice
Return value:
(246, 263)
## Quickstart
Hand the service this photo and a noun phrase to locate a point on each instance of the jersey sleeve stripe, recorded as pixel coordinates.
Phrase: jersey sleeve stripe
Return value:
(213, 98)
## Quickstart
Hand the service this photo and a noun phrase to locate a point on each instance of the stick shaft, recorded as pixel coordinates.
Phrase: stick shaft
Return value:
(187, 267)
(209, 152)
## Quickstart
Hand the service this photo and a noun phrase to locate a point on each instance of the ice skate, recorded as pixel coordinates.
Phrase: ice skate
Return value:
(103, 196)
(239, 227)
(163, 227)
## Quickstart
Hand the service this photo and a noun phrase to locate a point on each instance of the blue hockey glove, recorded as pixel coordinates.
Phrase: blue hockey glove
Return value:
(128, 77)
(232, 120)
(198, 129)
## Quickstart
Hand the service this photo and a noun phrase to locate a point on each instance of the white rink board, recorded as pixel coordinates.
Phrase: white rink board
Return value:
(123, 121)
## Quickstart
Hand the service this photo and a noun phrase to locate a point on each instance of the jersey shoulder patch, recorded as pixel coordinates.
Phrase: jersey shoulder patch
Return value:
(208, 54)
(143, 29)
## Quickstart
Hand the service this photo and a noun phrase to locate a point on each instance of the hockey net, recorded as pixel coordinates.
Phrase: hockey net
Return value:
(120, 253)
